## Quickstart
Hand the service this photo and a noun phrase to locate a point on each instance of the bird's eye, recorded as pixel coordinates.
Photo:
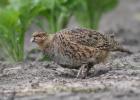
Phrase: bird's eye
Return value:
(37, 36)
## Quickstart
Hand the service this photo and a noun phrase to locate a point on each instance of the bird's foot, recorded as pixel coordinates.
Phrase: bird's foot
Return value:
(83, 71)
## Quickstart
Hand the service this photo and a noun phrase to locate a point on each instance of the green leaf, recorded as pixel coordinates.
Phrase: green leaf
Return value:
(90, 11)
(9, 18)
(4, 3)
(48, 4)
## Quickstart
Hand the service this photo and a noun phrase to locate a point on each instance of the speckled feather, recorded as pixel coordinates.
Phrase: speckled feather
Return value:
(89, 38)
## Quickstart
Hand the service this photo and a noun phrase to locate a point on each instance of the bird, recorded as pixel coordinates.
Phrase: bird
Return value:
(78, 48)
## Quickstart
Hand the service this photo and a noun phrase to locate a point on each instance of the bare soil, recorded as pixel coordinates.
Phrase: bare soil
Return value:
(117, 79)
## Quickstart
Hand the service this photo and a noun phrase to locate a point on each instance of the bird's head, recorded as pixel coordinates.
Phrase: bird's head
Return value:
(40, 38)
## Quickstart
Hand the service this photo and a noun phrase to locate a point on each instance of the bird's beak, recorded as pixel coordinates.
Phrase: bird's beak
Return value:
(32, 39)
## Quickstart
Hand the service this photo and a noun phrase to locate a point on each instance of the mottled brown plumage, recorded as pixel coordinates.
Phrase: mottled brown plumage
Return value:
(77, 47)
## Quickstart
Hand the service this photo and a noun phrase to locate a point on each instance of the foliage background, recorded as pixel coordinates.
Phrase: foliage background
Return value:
(17, 15)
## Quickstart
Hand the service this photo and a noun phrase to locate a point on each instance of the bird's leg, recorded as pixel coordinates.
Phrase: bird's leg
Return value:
(84, 69)
(44, 52)
(81, 71)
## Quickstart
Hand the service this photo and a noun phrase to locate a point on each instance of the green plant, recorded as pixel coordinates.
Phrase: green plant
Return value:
(17, 15)
(14, 21)
(90, 11)
(3, 3)
(58, 13)
(8, 24)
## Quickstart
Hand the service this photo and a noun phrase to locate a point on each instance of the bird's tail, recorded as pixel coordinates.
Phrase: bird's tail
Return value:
(121, 49)
(116, 46)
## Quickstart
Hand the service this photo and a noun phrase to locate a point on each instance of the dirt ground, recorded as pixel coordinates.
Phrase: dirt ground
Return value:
(117, 79)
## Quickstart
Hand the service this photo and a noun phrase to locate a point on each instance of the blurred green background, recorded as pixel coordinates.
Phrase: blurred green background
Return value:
(16, 16)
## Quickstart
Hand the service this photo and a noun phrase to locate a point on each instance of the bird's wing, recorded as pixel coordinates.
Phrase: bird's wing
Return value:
(86, 37)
